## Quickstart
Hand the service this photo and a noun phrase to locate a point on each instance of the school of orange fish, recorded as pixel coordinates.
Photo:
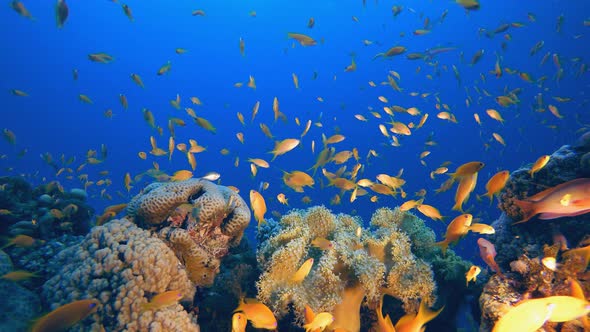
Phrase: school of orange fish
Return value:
(348, 171)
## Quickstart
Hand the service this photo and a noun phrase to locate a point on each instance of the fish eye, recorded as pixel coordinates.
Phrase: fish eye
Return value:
(92, 305)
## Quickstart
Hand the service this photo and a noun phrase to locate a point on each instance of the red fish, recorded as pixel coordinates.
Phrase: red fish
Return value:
(565, 200)
(487, 252)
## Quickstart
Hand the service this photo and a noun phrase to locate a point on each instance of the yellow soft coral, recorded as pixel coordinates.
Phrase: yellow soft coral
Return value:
(356, 268)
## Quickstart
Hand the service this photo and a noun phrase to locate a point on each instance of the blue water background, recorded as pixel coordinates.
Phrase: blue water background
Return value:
(39, 58)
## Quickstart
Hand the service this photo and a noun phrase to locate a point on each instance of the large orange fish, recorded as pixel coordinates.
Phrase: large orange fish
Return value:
(565, 200)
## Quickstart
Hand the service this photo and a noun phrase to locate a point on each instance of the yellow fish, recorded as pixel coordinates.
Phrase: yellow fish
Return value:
(482, 228)
(258, 206)
(162, 300)
(472, 274)
(137, 79)
(539, 164)
(415, 322)
(295, 80)
(66, 316)
(282, 199)
(304, 40)
(18, 275)
(496, 183)
(531, 315)
(284, 146)
(258, 314)
(303, 271)
(205, 124)
(455, 231)
(181, 175)
(320, 322)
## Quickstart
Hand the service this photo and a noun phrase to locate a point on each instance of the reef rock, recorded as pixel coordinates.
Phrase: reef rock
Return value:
(18, 306)
(524, 245)
(563, 166)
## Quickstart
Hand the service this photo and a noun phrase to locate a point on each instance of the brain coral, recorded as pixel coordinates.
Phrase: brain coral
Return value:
(123, 267)
(355, 268)
(197, 218)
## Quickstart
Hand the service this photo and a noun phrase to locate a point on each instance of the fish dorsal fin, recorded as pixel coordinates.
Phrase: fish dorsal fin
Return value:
(249, 300)
(539, 196)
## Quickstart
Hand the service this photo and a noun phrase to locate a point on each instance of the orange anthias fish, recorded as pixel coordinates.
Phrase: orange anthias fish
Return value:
(472, 274)
(531, 314)
(20, 241)
(565, 200)
(488, 253)
(303, 271)
(284, 146)
(496, 183)
(464, 189)
(539, 164)
(258, 314)
(304, 40)
(416, 322)
(455, 231)
(65, 316)
(320, 322)
(258, 205)
(467, 169)
(162, 300)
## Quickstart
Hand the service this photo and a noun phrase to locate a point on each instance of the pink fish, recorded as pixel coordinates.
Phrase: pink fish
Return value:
(565, 200)
(487, 252)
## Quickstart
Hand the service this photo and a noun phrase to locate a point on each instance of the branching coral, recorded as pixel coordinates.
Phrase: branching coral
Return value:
(197, 218)
(122, 266)
(354, 269)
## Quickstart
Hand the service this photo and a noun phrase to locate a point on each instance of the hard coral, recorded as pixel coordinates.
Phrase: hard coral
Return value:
(355, 268)
(197, 218)
(123, 267)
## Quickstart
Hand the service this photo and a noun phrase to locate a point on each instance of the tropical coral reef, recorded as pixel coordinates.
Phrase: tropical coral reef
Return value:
(360, 264)
(18, 304)
(123, 267)
(43, 212)
(236, 279)
(525, 245)
(564, 165)
(198, 219)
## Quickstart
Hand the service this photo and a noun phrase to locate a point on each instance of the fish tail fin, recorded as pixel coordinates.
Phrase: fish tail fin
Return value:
(425, 315)
(527, 209)
(444, 245)
(458, 207)
(7, 244)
